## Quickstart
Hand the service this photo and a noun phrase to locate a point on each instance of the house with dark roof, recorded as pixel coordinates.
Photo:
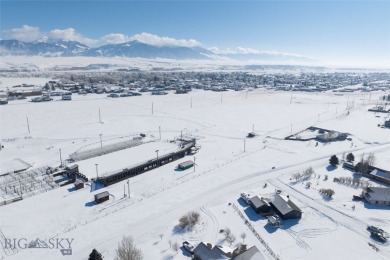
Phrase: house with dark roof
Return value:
(208, 252)
(260, 205)
(285, 207)
(376, 195)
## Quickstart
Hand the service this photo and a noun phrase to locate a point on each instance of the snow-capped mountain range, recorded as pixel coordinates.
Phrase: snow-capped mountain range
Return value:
(131, 49)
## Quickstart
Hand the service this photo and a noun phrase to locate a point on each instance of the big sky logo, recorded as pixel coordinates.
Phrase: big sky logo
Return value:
(62, 244)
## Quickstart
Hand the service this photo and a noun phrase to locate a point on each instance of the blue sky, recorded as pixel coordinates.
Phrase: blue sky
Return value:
(335, 32)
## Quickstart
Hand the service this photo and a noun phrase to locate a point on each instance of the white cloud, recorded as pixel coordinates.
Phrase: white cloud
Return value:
(31, 33)
(70, 34)
(156, 40)
(148, 38)
(115, 38)
(25, 33)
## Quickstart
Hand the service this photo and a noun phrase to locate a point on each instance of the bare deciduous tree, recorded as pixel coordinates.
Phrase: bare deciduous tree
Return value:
(229, 237)
(170, 243)
(189, 220)
(243, 236)
(127, 250)
(161, 236)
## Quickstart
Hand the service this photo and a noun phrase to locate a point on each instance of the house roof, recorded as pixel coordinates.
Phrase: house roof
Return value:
(102, 195)
(284, 205)
(205, 253)
(186, 163)
(78, 181)
(251, 254)
(74, 166)
(378, 194)
(257, 202)
(381, 174)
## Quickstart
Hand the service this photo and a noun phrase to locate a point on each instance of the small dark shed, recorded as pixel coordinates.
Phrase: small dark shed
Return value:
(79, 184)
(101, 197)
(73, 169)
(260, 205)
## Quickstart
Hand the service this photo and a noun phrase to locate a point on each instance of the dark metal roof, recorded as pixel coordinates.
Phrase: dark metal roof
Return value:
(251, 254)
(257, 202)
(284, 206)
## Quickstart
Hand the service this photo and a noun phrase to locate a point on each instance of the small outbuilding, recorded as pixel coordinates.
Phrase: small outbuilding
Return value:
(185, 165)
(79, 184)
(102, 197)
(260, 205)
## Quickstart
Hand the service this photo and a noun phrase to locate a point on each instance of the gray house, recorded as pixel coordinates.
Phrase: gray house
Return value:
(285, 207)
(260, 205)
(208, 252)
(376, 195)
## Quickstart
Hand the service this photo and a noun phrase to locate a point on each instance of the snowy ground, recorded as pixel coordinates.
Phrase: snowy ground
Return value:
(224, 169)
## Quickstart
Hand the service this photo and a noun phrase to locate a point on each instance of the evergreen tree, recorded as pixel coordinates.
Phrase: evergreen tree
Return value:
(350, 157)
(334, 160)
(95, 255)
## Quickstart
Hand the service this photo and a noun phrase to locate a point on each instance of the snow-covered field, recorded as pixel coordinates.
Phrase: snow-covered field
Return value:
(220, 122)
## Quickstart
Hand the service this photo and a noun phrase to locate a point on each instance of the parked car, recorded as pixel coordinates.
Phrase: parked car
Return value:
(113, 95)
(36, 99)
(278, 191)
(188, 246)
(357, 198)
(379, 237)
(374, 229)
(246, 197)
(46, 98)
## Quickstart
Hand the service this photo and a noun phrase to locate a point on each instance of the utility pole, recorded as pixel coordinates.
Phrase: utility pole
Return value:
(100, 117)
(101, 141)
(28, 125)
(253, 127)
(194, 163)
(159, 132)
(60, 157)
(244, 146)
(191, 102)
(124, 190)
(291, 128)
(152, 108)
(291, 99)
(221, 97)
(20, 187)
(157, 153)
(128, 187)
(97, 173)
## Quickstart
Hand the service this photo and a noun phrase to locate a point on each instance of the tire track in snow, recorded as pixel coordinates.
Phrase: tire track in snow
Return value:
(214, 220)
